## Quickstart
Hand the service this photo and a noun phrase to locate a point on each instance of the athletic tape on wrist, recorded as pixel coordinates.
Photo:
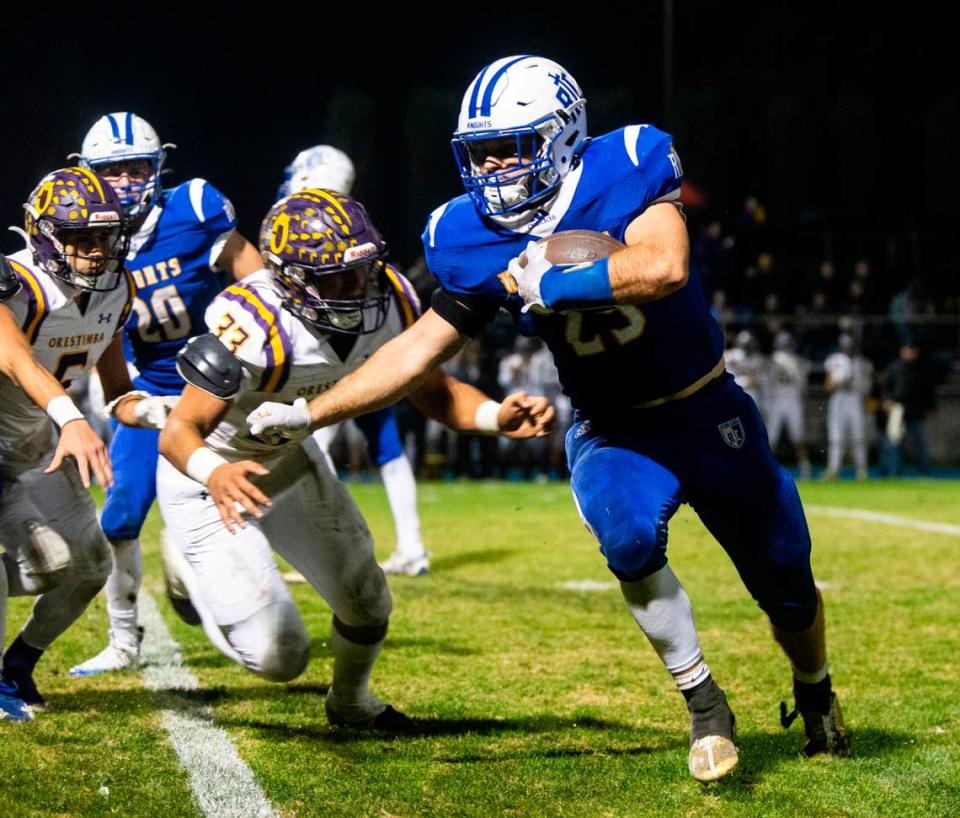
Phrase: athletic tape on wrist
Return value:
(202, 462)
(486, 417)
(62, 410)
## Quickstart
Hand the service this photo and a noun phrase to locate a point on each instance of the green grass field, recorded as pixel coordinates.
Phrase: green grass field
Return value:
(536, 700)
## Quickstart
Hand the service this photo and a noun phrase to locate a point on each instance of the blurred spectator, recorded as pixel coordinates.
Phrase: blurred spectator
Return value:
(906, 307)
(785, 391)
(849, 379)
(712, 253)
(909, 384)
(746, 363)
(720, 310)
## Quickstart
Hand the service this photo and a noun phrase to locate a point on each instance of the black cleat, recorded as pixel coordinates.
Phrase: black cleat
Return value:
(713, 753)
(18, 664)
(388, 720)
(26, 688)
(826, 732)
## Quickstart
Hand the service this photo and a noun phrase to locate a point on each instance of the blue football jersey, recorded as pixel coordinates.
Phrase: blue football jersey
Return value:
(171, 261)
(607, 359)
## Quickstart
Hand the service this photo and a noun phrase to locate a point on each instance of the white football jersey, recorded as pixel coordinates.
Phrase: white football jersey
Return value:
(787, 376)
(65, 341)
(284, 358)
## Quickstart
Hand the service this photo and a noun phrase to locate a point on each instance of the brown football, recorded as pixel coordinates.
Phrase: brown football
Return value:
(579, 246)
(570, 247)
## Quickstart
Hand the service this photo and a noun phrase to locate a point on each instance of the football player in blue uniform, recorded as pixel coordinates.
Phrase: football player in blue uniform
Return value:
(327, 167)
(183, 237)
(658, 422)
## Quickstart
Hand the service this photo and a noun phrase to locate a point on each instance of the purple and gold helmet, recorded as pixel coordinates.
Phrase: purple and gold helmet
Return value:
(328, 260)
(73, 207)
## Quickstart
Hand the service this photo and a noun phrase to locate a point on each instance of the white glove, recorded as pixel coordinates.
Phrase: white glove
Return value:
(151, 412)
(271, 421)
(528, 276)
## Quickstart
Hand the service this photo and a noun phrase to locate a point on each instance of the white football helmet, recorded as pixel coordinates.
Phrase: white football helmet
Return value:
(122, 137)
(524, 107)
(322, 166)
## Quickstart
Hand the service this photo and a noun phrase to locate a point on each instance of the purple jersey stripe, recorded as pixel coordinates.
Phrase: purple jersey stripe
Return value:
(268, 320)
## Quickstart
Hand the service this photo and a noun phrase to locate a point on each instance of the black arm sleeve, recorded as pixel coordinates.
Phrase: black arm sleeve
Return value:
(209, 365)
(9, 282)
(468, 314)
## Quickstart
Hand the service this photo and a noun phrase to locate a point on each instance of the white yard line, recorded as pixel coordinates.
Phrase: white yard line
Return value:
(223, 785)
(589, 585)
(885, 519)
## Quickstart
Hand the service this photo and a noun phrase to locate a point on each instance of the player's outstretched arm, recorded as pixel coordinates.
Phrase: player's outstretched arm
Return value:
(398, 368)
(464, 408)
(77, 438)
(181, 442)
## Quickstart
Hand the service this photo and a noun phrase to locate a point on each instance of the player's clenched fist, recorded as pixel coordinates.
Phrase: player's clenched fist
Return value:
(234, 494)
(522, 416)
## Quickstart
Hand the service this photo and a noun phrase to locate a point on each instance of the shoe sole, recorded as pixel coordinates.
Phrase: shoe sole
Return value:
(711, 758)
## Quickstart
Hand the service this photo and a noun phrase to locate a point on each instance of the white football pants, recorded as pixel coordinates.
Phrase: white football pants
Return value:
(238, 590)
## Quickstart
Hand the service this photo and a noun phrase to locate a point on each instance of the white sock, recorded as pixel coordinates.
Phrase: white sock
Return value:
(662, 610)
(401, 488)
(860, 455)
(122, 588)
(352, 664)
(834, 456)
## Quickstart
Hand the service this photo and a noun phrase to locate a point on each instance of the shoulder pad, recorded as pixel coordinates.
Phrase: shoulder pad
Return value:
(9, 280)
(207, 364)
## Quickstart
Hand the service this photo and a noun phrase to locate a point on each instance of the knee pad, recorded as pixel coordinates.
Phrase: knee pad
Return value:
(273, 643)
(634, 546)
(43, 559)
(365, 597)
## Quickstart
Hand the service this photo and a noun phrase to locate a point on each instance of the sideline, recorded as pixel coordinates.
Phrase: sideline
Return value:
(222, 783)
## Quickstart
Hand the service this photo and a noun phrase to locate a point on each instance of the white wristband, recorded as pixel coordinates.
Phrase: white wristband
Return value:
(486, 417)
(133, 393)
(202, 462)
(62, 410)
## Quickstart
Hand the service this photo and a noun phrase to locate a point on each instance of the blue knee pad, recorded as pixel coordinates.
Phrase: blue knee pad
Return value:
(383, 436)
(626, 498)
(134, 456)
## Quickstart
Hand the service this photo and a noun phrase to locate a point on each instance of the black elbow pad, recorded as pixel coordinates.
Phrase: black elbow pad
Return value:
(9, 280)
(209, 365)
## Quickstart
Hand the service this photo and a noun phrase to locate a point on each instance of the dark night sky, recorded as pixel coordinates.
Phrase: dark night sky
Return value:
(842, 117)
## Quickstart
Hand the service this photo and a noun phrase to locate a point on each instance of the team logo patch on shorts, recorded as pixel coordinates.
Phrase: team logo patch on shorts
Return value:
(733, 433)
